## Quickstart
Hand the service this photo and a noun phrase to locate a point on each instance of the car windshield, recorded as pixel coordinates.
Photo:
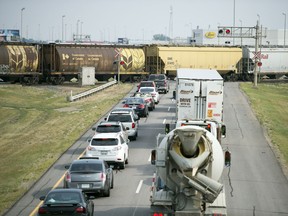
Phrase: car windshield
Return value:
(63, 197)
(104, 142)
(86, 167)
(108, 128)
(120, 117)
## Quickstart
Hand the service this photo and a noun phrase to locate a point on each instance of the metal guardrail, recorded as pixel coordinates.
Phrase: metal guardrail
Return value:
(89, 92)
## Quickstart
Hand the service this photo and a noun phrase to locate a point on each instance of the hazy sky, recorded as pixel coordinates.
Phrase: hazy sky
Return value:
(110, 19)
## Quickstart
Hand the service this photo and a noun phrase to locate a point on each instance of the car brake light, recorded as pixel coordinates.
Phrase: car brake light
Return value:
(157, 214)
(117, 148)
(141, 106)
(90, 148)
(42, 210)
(68, 177)
(148, 100)
(81, 209)
(133, 125)
(126, 105)
(103, 176)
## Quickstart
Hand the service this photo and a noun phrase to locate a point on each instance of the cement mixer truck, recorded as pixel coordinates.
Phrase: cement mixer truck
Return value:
(189, 162)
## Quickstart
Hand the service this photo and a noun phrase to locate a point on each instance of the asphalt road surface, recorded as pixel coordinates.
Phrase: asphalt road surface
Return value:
(254, 184)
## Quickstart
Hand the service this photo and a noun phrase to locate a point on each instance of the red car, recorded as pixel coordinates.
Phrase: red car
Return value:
(146, 84)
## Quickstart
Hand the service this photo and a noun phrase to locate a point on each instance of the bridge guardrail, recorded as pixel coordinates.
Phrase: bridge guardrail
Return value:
(72, 98)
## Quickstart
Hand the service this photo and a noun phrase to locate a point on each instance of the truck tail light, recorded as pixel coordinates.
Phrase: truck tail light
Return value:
(126, 105)
(133, 125)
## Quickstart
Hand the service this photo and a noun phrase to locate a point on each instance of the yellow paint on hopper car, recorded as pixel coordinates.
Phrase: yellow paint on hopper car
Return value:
(134, 60)
(223, 59)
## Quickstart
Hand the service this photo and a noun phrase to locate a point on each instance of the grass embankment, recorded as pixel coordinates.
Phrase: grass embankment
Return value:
(270, 104)
(37, 125)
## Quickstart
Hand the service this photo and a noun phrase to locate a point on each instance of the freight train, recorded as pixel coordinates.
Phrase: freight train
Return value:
(55, 63)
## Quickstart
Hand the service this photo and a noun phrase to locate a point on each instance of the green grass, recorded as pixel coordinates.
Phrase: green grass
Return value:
(37, 125)
(270, 104)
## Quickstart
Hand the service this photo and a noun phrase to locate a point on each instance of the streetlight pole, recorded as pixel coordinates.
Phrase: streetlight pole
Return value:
(63, 16)
(81, 31)
(77, 31)
(284, 29)
(21, 23)
(233, 21)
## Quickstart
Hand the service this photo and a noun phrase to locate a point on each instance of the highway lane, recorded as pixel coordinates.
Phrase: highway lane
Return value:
(255, 184)
(132, 185)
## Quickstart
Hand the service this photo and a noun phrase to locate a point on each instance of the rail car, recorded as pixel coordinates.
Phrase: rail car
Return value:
(19, 62)
(274, 61)
(56, 63)
(166, 59)
(64, 61)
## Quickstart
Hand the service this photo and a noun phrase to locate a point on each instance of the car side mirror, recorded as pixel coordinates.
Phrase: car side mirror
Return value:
(153, 157)
(94, 128)
(67, 166)
(223, 131)
(42, 198)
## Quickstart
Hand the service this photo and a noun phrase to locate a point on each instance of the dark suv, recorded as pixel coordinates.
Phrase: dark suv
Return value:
(89, 174)
(161, 82)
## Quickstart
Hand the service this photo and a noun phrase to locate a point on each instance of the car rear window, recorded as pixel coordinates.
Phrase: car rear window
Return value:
(157, 77)
(108, 128)
(63, 197)
(120, 117)
(148, 90)
(146, 84)
(87, 167)
(134, 101)
(104, 142)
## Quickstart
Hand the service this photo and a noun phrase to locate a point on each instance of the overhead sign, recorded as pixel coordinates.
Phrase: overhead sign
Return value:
(210, 35)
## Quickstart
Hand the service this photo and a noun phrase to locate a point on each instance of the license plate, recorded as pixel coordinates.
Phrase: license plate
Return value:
(134, 107)
(85, 186)
(104, 152)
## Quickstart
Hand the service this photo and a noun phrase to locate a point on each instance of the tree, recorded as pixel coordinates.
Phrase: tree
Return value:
(160, 37)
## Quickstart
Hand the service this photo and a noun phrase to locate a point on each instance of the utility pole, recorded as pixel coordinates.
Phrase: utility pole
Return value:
(256, 53)
(284, 29)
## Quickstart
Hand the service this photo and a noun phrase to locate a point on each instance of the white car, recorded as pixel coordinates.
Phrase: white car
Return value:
(112, 127)
(128, 118)
(110, 147)
(152, 91)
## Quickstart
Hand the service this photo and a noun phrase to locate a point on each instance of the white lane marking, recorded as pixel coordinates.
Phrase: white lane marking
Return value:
(139, 186)
(164, 121)
(169, 109)
(149, 159)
